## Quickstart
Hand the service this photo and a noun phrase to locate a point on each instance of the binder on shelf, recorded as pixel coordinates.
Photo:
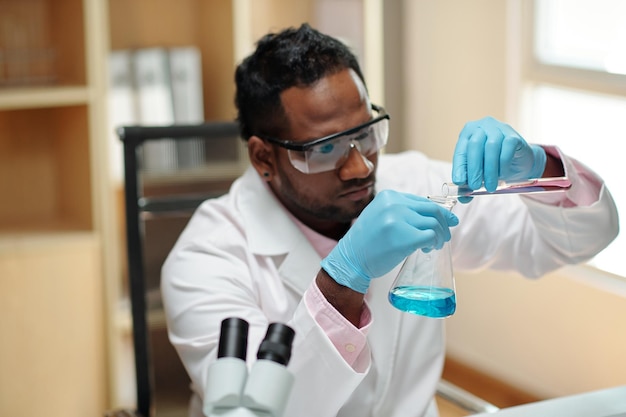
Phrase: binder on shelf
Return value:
(155, 105)
(186, 78)
(186, 82)
(122, 107)
(162, 86)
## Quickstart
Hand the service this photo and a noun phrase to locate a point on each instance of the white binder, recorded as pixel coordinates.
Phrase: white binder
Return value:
(122, 107)
(155, 105)
(186, 80)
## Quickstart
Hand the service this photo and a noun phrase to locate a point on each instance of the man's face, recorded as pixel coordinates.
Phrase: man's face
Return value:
(326, 200)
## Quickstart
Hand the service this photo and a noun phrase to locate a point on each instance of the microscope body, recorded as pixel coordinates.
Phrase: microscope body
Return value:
(232, 391)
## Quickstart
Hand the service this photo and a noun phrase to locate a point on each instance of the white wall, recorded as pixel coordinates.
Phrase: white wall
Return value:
(554, 336)
(454, 66)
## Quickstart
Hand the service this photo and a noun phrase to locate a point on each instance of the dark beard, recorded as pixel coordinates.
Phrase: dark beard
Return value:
(325, 212)
(338, 214)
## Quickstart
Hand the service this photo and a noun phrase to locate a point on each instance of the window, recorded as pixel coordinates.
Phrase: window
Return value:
(574, 91)
(581, 34)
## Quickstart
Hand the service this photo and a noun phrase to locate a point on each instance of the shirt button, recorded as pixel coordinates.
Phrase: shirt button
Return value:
(350, 348)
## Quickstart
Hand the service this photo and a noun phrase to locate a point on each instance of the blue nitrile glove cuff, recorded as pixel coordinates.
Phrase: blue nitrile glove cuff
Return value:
(344, 272)
(539, 161)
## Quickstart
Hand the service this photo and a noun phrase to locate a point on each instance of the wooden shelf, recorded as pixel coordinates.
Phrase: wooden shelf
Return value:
(40, 97)
(25, 241)
(45, 176)
(52, 203)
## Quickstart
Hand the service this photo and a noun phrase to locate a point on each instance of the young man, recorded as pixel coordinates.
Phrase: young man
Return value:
(313, 234)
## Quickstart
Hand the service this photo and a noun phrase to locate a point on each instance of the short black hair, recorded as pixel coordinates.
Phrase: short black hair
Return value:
(292, 57)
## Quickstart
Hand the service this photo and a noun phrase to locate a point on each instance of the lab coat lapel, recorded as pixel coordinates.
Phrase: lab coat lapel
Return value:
(271, 232)
(300, 266)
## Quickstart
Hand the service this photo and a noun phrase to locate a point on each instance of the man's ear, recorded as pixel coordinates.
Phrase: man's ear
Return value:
(262, 157)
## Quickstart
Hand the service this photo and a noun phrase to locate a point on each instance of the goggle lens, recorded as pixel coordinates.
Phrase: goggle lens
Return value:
(330, 155)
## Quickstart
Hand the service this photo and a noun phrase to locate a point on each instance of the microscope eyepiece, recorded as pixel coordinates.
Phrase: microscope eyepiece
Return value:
(233, 338)
(276, 346)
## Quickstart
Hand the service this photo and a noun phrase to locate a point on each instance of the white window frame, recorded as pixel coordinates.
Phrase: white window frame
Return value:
(537, 72)
(525, 71)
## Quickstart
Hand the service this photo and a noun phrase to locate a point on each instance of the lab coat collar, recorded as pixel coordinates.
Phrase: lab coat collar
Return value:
(271, 232)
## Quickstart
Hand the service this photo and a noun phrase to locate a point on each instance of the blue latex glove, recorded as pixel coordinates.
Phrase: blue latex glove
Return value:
(489, 150)
(390, 228)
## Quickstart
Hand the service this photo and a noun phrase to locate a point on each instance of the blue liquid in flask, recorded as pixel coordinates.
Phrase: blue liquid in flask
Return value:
(426, 301)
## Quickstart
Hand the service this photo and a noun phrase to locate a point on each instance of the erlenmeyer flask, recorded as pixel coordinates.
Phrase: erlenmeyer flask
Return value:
(425, 283)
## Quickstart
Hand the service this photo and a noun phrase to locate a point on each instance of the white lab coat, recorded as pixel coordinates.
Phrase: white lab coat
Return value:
(241, 256)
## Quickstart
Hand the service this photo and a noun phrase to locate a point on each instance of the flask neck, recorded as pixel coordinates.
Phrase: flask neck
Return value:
(447, 202)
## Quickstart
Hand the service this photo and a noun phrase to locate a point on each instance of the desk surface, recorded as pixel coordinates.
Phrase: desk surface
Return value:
(603, 403)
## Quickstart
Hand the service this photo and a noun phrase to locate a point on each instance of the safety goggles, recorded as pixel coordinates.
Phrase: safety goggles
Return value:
(330, 152)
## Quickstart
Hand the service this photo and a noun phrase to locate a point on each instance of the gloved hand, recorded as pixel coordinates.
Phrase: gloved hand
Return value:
(390, 228)
(489, 150)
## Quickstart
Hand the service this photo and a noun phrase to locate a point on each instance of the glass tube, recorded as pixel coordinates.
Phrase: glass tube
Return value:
(537, 185)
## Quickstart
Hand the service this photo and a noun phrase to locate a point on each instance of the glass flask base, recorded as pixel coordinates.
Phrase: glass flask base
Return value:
(431, 302)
